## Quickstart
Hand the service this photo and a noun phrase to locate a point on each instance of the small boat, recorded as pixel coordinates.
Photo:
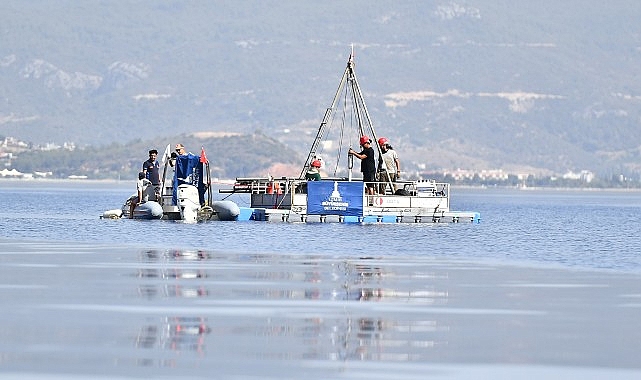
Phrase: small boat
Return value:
(184, 194)
(340, 197)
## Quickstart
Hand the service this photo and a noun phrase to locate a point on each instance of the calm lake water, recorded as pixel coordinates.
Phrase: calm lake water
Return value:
(547, 285)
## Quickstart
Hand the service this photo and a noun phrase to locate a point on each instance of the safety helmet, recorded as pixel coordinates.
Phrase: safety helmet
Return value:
(382, 141)
(365, 139)
(316, 163)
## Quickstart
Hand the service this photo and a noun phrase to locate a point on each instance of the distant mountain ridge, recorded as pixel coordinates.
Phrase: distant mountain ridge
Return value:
(530, 86)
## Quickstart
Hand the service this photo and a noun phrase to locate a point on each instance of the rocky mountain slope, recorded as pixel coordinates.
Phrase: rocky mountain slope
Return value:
(541, 86)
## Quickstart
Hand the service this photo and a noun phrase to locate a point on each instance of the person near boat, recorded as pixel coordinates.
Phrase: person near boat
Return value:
(144, 190)
(151, 169)
(389, 166)
(313, 174)
(180, 150)
(368, 164)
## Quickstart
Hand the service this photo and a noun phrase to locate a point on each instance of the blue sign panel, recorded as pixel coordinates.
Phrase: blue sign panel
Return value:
(335, 198)
(189, 170)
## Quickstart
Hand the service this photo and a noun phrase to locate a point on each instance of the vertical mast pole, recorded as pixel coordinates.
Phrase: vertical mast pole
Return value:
(323, 125)
(360, 101)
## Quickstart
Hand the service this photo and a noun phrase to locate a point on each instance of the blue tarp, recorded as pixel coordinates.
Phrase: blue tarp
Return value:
(335, 198)
(189, 170)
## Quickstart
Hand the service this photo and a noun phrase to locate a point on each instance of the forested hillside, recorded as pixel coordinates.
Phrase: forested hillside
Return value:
(229, 157)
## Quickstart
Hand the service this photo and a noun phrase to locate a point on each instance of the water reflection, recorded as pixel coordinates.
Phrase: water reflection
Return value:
(153, 291)
(363, 281)
(174, 255)
(379, 339)
(242, 296)
(165, 276)
(171, 273)
(178, 272)
(175, 334)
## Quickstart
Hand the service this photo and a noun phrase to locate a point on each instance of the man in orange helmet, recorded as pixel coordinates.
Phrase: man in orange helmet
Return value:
(368, 164)
(389, 166)
(313, 173)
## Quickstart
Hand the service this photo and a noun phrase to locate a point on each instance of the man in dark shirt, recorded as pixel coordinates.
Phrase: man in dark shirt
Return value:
(151, 169)
(368, 164)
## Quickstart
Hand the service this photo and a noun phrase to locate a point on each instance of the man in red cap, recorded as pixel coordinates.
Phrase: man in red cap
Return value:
(389, 167)
(313, 173)
(368, 164)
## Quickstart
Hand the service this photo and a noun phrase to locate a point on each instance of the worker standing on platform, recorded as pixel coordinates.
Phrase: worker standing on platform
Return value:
(313, 174)
(389, 166)
(368, 164)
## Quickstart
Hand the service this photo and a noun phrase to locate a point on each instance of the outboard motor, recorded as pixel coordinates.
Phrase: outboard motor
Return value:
(188, 203)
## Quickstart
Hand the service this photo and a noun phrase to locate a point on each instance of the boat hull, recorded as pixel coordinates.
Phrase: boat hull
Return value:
(226, 210)
(147, 210)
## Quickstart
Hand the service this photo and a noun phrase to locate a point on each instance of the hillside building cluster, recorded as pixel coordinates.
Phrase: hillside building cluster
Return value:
(583, 176)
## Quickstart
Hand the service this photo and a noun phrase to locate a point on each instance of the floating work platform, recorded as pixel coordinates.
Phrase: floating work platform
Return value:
(315, 198)
(342, 201)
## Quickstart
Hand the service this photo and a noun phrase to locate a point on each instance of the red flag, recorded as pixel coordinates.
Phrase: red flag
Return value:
(203, 157)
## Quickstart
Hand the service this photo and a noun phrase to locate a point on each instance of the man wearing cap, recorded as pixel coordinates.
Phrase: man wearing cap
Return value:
(180, 150)
(151, 169)
(313, 174)
(368, 164)
(389, 167)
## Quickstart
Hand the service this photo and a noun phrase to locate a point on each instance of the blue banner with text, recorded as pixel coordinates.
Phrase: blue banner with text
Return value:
(335, 198)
